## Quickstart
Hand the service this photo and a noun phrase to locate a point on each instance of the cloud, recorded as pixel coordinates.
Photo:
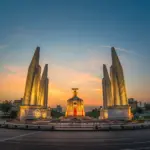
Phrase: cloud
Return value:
(124, 50)
(117, 48)
(12, 85)
(98, 90)
(61, 80)
(3, 46)
(15, 70)
(81, 73)
(71, 76)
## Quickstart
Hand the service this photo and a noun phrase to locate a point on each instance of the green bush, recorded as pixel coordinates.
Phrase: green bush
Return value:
(13, 114)
(56, 114)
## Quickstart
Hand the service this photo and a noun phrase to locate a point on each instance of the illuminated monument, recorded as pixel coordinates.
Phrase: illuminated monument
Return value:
(35, 99)
(115, 104)
(75, 106)
(43, 88)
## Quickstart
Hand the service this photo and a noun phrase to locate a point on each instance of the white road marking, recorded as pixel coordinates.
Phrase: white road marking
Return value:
(142, 148)
(128, 149)
(22, 135)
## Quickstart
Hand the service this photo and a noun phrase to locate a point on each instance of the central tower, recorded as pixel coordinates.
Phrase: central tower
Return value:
(75, 106)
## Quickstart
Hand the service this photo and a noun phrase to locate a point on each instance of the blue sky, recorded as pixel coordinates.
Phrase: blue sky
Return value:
(75, 37)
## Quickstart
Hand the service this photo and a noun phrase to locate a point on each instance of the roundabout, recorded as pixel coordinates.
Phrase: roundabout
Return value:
(36, 127)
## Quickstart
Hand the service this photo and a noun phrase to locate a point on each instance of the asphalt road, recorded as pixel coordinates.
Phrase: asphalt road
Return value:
(74, 140)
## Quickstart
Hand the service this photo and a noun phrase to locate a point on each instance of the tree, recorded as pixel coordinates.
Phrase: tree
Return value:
(139, 110)
(94, 113)
(56, 114)
(6, 106)
(13, 114)
(147, 106)
(134, 111)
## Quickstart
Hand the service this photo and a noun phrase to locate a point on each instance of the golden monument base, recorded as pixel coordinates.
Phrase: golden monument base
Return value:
(116, 113)
(34, 112)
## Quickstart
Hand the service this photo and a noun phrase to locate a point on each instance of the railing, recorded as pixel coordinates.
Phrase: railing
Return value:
(80, 126)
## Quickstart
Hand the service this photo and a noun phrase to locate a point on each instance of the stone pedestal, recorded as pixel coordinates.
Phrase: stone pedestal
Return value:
(116, 113)
(103, 114)
(34, 112)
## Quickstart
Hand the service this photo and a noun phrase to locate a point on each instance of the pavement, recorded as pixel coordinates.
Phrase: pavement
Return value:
(2, 121)
(74, 140)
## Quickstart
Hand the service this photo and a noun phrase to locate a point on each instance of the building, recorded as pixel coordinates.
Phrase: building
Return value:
(141, 105)
(75, 105)
(133, 103)
(115, 103)
(16, 104)
(58, 109)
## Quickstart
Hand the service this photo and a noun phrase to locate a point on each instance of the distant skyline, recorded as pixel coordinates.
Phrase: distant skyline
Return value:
(75, 38)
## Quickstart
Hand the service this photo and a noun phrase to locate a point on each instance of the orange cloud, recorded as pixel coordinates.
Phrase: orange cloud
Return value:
(61, 80)
(67, 78)
(12, 84)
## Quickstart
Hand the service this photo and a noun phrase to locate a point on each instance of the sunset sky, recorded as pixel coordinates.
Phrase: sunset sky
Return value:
(75, 37)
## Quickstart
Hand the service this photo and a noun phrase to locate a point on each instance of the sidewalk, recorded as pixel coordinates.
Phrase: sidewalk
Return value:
(2, 120)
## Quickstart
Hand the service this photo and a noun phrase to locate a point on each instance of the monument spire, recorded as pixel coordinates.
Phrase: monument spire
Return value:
(106, 84)
(36, 56)
(119, 89)
(43, 92)
(32, 78)
(74, 91)
(35, 87)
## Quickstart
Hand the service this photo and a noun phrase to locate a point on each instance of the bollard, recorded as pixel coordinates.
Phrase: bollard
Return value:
(6, 125)
(122, 127)
(134, 127)
(110, 128)
(96, 127)
(52, 128)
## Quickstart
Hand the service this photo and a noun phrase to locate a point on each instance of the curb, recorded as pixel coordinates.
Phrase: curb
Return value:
(102, 127)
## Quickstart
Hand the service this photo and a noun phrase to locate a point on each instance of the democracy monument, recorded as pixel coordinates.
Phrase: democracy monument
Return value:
(115, 103)
(35, 101)
(75, 106)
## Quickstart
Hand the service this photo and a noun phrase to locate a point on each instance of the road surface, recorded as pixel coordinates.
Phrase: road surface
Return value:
(74, 140)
